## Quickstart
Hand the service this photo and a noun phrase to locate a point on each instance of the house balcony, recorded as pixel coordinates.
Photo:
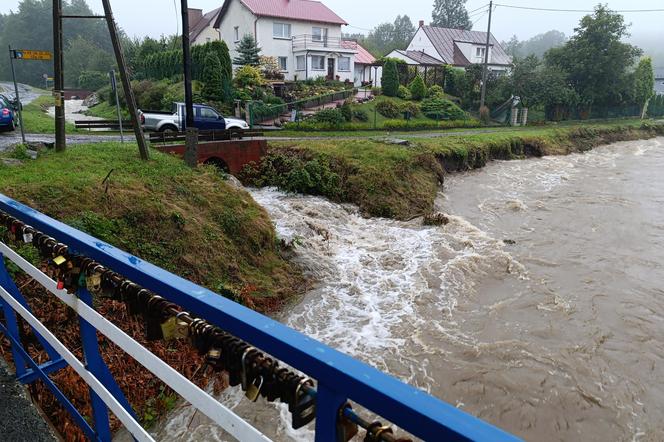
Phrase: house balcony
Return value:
(317, 43)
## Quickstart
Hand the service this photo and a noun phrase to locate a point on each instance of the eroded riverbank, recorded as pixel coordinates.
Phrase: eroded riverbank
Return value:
(553, 335)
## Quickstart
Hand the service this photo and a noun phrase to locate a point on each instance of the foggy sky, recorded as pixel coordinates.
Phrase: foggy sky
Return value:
(156, 17)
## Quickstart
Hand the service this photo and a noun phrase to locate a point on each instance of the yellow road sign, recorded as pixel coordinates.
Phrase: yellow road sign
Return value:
(25, 54)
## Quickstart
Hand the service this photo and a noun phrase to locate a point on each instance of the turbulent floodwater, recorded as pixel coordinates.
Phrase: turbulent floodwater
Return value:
(539, 307)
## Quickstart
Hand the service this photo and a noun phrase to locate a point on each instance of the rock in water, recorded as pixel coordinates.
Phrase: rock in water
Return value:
(435, 219)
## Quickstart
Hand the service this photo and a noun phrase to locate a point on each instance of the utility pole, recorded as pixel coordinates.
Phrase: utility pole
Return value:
(124, 76)
(58, 78)
(191, 143)
(486, 57)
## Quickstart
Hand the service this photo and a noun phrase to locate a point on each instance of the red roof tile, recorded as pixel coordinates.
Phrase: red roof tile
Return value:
(363, 56)
(304, 10)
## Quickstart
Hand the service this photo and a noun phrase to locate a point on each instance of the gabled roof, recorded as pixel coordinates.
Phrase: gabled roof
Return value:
(301, 10)
(443, 40)
(363, 56)
(422, 58)
(203, 23)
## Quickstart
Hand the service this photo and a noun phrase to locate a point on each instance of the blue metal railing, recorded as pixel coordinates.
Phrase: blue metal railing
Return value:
(340, 377)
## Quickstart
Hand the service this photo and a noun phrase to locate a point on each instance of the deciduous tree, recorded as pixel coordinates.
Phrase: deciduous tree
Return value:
(451, 14)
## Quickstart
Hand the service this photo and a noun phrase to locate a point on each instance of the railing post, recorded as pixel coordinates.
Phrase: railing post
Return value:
(328, 403)
(8, 283)
(12, 323)
(96, 365)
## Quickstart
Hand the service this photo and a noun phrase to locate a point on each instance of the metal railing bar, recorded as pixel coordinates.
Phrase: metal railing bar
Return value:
(201, 400)
(414, 410)
(134, 427)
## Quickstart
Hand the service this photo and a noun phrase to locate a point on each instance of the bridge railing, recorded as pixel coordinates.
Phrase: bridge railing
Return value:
(80, 264)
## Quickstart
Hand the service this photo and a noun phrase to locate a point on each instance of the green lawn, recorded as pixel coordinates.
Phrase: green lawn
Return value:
(106, 111)
(37, 121)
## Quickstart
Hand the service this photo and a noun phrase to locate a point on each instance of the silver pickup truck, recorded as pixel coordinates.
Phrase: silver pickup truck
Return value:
(205, 118)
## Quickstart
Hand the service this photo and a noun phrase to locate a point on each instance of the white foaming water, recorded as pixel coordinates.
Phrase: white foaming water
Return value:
(553, 336)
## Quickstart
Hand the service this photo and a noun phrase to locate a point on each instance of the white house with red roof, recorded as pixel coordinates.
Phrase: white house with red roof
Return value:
(303, 35)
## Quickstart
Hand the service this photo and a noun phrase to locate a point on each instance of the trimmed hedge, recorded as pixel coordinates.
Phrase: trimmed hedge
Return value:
(438, 108)
(388, 108)
(404, 125)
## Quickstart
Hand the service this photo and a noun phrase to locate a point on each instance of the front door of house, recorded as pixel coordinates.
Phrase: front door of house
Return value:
(330, 68)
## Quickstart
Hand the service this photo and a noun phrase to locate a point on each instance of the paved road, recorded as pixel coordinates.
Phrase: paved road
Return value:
(26, 93)
(19, 419)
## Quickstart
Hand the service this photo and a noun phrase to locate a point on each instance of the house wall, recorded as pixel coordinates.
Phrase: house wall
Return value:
(280, 47)
(365, 72)
(421, 42)
(208, 34)
(469, 50)
(237, 15)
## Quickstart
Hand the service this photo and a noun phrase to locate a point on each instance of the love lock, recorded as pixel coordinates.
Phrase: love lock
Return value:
(304, 407)
(346, 429)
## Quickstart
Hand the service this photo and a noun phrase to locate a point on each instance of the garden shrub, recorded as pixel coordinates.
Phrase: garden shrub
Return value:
(388, 108)
(376, 91)
(361, 115)
(332, 117)
(347, 111)
(436, 91)
(248, 76)
(404, 93)
(412, 108)
(438, 108)
(418, 89)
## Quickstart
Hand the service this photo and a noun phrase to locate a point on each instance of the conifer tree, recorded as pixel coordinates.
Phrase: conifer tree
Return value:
(390, 79)
(248, 52)
(418, 90)
(212, 78)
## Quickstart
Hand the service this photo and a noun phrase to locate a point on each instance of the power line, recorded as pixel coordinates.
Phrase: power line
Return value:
(531, 8)
(481, 7)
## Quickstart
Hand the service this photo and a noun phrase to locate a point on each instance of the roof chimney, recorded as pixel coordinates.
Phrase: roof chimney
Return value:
(421, 23)
(195, 15)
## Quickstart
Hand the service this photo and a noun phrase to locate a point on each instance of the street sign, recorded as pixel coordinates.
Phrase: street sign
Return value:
(26, 54)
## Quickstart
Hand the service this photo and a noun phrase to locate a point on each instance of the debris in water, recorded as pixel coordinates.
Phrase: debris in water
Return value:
(435, 219)
(510, 242)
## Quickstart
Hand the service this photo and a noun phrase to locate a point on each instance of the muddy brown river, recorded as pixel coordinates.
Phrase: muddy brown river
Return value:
(539, 307)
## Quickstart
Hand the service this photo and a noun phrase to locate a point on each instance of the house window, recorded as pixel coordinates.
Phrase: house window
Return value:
(317, 62)
(480, 52)
(301, 62)
(283, 63)
(318, 34)
(281, 30)
(344, 64)
(236, 33)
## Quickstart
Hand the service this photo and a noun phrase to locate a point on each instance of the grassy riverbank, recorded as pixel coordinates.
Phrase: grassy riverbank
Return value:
(192, 223)
(401, 182)
(36, 119)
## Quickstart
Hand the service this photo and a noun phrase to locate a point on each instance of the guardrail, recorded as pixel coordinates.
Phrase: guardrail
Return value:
(102, 124)
(80, 265)
(261, 112)
(205, 135)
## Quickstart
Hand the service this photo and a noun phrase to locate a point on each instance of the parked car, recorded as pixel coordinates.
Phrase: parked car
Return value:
(205, 118)
(7, 113)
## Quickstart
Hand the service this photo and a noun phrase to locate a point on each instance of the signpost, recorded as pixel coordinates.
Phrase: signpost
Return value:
(114, 86)
(24, 54)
